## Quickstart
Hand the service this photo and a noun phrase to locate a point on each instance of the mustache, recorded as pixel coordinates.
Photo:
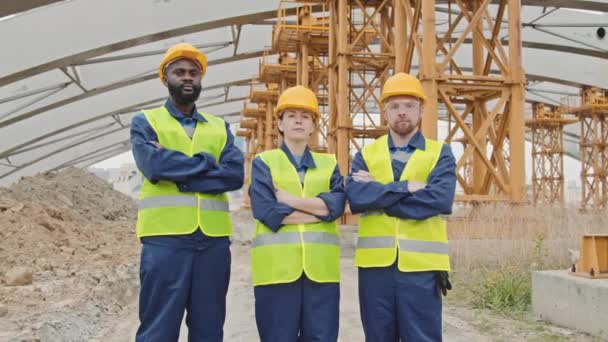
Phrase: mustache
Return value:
(189, 84)
(177, 92)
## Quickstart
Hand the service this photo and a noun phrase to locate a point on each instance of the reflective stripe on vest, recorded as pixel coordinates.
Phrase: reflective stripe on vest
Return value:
(417, 246)
(422, 244)
(377, 242)
(214, 205)
(182, 201)
(294, 237)
(163, 209)
(167, 201)
(313, 248)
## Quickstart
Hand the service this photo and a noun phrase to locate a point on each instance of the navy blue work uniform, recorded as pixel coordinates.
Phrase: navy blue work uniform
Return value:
(303, 310)
(184, 272)
(399, 305)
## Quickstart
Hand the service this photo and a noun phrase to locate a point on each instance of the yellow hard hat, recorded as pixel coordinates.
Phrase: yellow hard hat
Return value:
(402, 84)
(298, 97)
(183, 50)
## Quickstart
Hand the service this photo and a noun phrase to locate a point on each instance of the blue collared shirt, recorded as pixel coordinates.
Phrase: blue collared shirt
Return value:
(199, 173)
(264, 203)
(394, 198)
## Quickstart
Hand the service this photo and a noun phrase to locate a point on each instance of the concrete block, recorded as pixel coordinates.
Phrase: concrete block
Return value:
(571, 301)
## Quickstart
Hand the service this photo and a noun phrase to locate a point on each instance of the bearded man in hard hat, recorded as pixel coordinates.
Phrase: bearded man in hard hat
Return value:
(401, 184)
(296, 196)
(189, 162)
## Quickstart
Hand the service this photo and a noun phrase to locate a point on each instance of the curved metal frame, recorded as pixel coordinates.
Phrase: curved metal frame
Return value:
(89, 55)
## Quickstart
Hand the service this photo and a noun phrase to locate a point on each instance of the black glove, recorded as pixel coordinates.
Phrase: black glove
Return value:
(443, 282)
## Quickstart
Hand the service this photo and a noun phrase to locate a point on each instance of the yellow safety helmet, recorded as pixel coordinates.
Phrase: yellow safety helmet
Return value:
(298, 97)
(402, 84)
(179, 51)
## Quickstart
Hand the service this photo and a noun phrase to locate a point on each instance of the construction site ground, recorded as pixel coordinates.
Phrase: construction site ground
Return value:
(69, 263)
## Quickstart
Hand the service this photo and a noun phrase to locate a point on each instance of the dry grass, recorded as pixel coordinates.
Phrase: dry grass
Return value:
(494, 246)
(538, 237)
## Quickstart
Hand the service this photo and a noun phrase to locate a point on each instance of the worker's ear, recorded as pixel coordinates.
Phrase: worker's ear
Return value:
(165, 82)
(314, 123)
(280, 123)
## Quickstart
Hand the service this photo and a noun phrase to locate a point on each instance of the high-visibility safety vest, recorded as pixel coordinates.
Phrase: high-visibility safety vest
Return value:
(422, 244)
(314, 248)
(163, 209)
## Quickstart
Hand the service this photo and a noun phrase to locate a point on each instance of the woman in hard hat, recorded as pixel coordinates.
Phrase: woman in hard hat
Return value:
(296, 196)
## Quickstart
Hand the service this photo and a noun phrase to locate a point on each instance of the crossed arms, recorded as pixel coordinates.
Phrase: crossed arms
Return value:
(275, 207)
(403, 199)
(199, 173)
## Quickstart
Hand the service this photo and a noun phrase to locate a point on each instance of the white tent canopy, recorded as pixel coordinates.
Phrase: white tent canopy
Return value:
(75, 72)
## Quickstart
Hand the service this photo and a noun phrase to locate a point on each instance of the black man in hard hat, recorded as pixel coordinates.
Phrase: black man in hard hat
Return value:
(189, 162)
(296, 197)
(401, 184)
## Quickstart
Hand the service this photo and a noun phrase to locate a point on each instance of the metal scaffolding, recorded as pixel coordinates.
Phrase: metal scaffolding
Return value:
(344, 50)
(266, 96)
(370, 40)
(547, 128)
(249, 123)
(494, 101)
(592, 114)
(305, 44)
(361, 57)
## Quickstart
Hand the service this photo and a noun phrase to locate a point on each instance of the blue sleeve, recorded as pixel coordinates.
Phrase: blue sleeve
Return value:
(226, 176)
(264, 203)
(160, 163)
(438, 195)
(335, 198)
(364, 196)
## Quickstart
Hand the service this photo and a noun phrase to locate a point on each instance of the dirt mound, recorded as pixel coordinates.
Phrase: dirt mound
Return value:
(75, 233)
(60, 216)
(74, 190)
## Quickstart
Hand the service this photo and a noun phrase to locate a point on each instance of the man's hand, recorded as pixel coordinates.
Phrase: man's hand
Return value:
(283, 196)
(363, 176)
(413, 186)
(156, 144)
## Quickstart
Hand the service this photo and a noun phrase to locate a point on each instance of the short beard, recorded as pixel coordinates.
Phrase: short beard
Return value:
(179, 97)
(406, 131)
